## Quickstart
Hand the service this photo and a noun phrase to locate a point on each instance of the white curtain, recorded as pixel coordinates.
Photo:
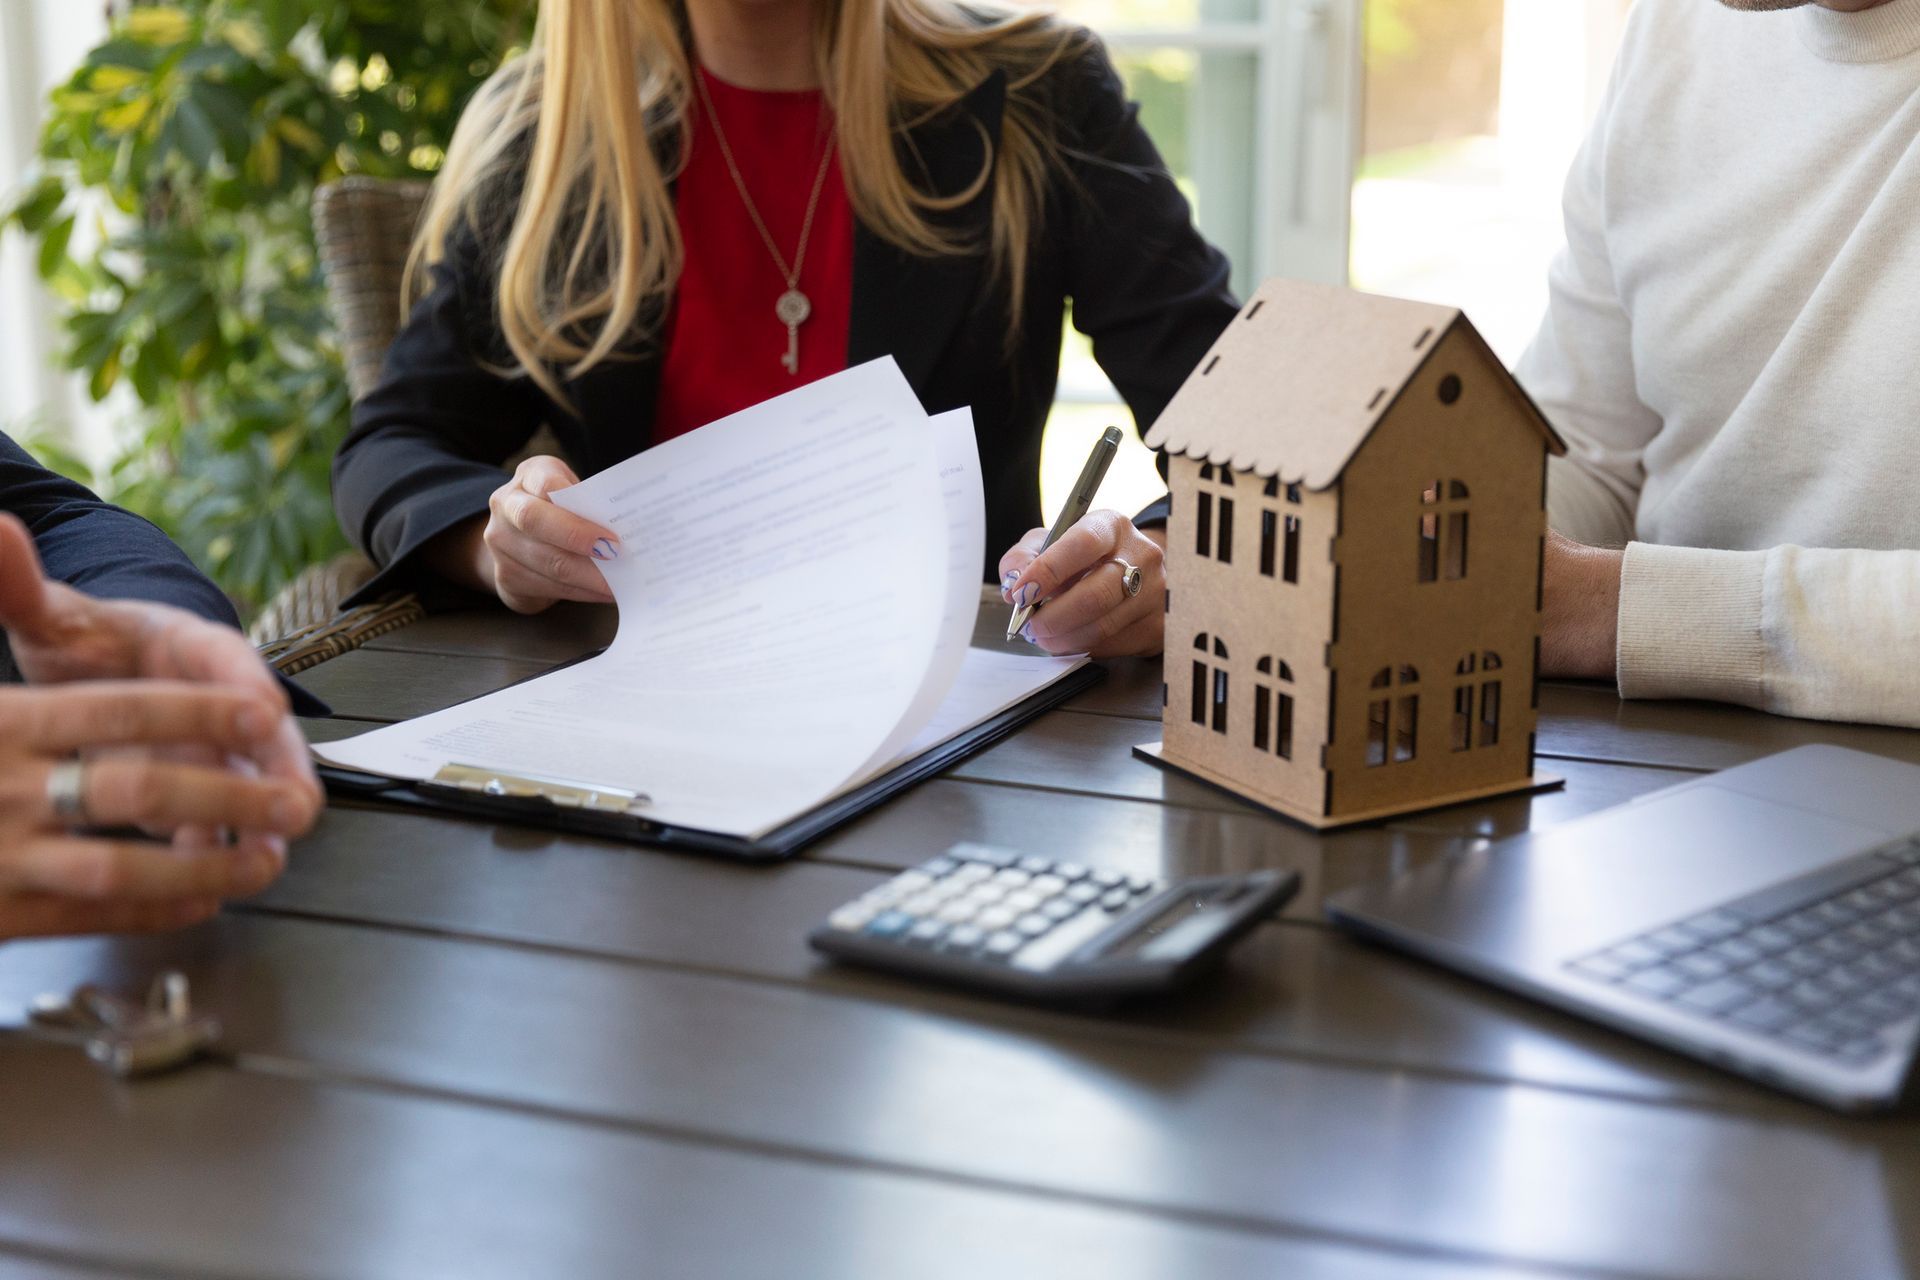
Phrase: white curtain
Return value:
(40, 43)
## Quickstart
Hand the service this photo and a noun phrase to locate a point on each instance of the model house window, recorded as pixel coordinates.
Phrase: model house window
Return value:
(1280, 534)
(1393, 716)
(1210, 682)
(1273, 708)
(1443, 531)
(1213, 522)
(1485, 665)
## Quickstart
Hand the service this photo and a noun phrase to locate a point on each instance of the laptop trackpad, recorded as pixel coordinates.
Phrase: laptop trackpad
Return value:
(1567, 890)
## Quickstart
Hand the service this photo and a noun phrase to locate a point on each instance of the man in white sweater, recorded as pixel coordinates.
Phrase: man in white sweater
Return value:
(1732, 351)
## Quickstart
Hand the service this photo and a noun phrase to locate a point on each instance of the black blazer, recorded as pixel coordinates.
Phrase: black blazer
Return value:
(1117, 239)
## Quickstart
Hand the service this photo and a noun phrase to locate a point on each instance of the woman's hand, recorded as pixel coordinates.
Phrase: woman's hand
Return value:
(532, 552)
(54, 879)
(1087, 607)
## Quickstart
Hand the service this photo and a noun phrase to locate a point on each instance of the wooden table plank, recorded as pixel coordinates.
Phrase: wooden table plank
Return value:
(561, 634)
(1534, 1176)
(222, 1173)
(385, 687)
(1290, 991)
(1589, 722)
(24, 1264)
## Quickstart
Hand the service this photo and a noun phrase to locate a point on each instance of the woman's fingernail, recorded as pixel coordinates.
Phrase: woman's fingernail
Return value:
(605, 549)
(1028, 595)
(1026, 633)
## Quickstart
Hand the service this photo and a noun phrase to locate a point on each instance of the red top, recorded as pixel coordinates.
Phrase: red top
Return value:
(725, 344)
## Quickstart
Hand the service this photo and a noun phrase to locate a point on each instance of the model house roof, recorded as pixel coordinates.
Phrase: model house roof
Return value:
(1299, 380)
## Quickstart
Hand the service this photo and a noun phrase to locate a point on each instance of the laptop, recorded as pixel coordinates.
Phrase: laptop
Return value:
(1765, 919)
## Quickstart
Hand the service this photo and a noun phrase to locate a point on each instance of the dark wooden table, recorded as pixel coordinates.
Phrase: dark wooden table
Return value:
(465, 1050)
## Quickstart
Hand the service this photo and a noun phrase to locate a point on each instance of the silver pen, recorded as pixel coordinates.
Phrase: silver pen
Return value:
(1079, 502)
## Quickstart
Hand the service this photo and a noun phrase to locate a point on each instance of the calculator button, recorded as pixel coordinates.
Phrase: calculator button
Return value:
(922, 904)
(1116, 899)
(968, 872)
(1066, 938)
(1022, 900)
(1034, 866)
(956, 912)
(1059, 908)
(1003, 944)
(1107, 879)
(1082, 893)
(851, 918)
(927, 931)
(964, 937)
(1069, 871)
(1139, 886)
(941, 866)
(994, 918)
(984, 893)
(1033, 925)
(1012, 878)
(908, 881)
(890, 924)
(1047, 886)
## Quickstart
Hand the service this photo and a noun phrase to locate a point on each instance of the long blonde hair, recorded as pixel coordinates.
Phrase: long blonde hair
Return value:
(593, 244)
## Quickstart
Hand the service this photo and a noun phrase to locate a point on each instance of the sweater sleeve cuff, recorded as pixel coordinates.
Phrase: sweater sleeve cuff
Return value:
(1690, 624)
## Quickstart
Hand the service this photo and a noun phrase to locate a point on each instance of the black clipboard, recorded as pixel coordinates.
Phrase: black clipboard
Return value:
(569, 815)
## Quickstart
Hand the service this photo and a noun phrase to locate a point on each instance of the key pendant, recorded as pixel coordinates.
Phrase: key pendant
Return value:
(793, 308)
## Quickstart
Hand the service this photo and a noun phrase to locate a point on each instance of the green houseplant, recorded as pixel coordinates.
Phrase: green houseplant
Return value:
(170, 207)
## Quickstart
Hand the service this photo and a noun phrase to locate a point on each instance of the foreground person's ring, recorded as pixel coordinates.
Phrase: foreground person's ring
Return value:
(67, 792)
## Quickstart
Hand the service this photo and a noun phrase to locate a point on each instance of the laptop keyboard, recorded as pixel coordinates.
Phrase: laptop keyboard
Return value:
(1827, 962)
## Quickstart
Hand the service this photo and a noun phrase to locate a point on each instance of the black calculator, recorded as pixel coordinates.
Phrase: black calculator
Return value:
(1045, 930)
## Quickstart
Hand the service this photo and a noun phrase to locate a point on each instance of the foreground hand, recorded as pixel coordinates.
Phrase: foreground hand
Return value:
(1580, 604)
(1087, 608)
(533, 552)
(56, 880)
(59, 635)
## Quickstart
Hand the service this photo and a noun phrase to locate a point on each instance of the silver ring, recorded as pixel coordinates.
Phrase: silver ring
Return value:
(1129, 577)
(67, 792)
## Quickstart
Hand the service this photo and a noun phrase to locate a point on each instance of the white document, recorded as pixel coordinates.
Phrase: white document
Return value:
(797, 585)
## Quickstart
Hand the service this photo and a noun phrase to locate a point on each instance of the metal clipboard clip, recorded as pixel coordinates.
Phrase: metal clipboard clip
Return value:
(562, 795)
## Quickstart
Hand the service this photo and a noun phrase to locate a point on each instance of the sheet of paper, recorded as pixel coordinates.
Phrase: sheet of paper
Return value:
(988, 683)
(782, 596)
(963, 495)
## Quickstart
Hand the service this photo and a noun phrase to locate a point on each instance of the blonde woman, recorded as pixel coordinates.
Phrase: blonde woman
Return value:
(663, 214)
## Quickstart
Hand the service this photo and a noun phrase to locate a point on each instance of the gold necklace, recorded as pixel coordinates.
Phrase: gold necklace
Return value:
(792, 307)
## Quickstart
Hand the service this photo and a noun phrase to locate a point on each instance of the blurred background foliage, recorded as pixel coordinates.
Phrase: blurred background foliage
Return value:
(171, 213)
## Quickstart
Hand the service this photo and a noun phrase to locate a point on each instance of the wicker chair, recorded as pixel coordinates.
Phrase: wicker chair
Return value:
(364, 227)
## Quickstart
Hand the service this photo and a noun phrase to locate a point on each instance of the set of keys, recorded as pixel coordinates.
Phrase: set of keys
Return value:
(128, 1037)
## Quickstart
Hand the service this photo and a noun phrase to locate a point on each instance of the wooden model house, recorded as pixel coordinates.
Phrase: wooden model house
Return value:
(1354, 560)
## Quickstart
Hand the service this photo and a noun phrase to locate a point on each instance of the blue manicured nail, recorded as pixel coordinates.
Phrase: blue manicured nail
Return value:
(604, 549)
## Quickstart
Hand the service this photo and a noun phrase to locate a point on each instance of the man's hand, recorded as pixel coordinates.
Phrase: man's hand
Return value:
(1087, 608)
(1581, 610)
(57, 880)
(59, 635)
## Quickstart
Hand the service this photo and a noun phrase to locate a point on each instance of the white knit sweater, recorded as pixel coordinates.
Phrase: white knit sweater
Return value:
(1732, 350)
